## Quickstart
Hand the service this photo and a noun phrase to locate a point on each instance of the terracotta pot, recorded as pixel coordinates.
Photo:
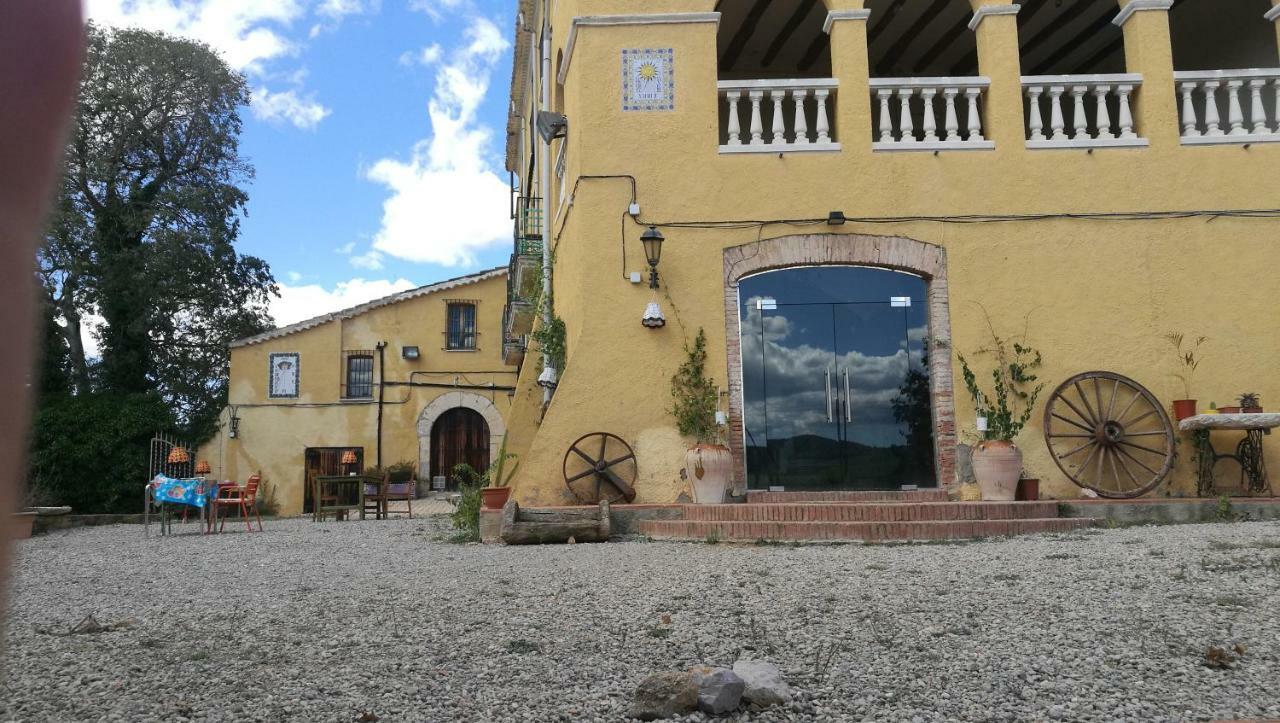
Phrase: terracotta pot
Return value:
(1183, 408)
(19, 524)
(493, 498)
(1028, 490)
(1228, 410)
(709, 469)
(1251, 410)
(997, 465)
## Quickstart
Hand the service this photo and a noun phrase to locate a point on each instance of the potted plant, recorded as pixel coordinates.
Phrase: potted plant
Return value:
(497, 489)
(708, 464)
(1250, 403)
(1228, 410)
(1187, 361)
(997, 461)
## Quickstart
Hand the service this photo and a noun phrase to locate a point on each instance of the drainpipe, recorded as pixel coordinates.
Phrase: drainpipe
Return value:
(382, 388)
(544, 188)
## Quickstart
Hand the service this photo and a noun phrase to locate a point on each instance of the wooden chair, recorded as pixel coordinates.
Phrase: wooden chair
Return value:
(375, 497)
(245, 498)
(400, 492)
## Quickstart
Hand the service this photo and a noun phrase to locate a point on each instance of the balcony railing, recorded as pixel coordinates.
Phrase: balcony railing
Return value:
(945, 107)
(1213, 103)
(1084, 111)
(771, 116)
(528, 226)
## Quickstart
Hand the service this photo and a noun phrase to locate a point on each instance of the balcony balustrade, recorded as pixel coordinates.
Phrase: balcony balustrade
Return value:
(947, 117)
(1084, 111)
(1205, 120)
(777, 115)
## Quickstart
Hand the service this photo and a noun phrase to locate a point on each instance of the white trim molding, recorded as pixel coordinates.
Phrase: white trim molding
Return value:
(834, 15)
(1273, 14)
(986, 10)
(1137, 5)
(608, 20)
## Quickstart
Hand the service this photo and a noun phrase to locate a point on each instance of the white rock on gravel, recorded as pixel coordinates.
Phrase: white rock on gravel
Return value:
(764, 683)
(328, 621)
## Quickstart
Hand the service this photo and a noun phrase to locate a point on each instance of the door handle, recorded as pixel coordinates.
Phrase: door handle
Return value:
(848, 400)
(830, 417)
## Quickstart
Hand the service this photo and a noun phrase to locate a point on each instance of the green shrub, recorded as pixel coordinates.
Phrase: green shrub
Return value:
(466, 516)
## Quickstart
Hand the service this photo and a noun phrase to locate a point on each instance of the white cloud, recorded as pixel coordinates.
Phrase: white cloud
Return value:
(446, 201)
(288, 106)
(436, 8)
(297, 303)
(372, 260)
(428, 56)
(293, 276)
(346, 248)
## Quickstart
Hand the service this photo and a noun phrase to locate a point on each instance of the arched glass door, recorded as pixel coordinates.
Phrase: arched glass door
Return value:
(835, 379)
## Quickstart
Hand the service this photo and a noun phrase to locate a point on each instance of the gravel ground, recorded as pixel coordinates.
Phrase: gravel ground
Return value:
(328, 622)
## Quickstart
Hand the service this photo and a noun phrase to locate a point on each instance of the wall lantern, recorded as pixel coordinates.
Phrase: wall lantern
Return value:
(547, 379)
(652, 241)
(653, 317)
(235, 427)
(410, 352)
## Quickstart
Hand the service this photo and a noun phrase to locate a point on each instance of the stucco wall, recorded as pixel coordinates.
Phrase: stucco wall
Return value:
(274, 433)
(1098, 294)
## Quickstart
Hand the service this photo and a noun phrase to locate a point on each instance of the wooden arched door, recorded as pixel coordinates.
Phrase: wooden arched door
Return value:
(459, 436)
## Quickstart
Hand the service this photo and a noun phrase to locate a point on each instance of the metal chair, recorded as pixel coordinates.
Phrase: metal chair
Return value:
(245, 498)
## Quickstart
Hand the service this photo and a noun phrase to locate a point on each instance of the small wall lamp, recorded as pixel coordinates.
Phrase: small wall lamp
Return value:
(235, 427)
(410, 352)
(652, 241)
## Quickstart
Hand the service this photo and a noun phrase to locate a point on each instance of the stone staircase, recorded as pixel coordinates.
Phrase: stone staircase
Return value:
(859, 516)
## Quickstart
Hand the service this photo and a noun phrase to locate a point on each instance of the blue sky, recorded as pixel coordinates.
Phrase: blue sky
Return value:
(376, 132)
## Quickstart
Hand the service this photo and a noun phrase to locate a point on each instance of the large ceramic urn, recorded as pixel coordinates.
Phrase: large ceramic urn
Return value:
(997, 465)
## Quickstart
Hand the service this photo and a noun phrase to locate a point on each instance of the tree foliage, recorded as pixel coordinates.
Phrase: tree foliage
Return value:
(694, 394)
(140, 246)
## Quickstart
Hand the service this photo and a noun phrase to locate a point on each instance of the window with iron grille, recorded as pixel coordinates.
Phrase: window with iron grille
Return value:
(460, 334)
(359, 376)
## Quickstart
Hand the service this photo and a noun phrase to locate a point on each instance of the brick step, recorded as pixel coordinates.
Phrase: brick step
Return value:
(924, 495)
(871, 512)
(866, 531)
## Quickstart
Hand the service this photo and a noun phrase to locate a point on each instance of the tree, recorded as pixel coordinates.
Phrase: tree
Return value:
(144, 228)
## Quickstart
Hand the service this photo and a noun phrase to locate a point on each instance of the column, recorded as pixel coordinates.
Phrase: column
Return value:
(1149, 52)
(996, 24)
(850, 64)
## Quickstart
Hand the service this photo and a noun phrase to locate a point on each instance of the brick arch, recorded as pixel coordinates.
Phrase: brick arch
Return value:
(886, 252)
(453, 400)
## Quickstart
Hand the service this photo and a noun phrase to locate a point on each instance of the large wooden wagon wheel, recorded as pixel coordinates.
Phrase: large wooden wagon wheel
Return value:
(600, 466)
(1109, 434)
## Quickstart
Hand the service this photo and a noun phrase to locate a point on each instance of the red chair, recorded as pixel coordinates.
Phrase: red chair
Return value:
(245, 498)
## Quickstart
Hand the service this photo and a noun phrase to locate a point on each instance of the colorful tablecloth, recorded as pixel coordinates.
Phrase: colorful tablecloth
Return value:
(192, 492)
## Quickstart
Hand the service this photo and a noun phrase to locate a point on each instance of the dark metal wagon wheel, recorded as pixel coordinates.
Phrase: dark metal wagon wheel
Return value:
(600, 466)
(1109, 434)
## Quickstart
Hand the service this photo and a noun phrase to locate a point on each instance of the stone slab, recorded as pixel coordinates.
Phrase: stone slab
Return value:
(1242, 422)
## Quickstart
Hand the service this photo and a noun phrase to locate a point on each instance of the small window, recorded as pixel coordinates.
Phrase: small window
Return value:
(461, 332)
(359, 375)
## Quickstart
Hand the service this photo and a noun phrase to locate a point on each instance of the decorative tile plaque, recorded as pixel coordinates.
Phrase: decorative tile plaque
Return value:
(648, 79)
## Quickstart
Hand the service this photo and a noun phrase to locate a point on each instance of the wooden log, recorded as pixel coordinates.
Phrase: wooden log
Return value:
(543, 526)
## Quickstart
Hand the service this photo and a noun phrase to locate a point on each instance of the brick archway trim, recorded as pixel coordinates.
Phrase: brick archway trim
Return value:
(887, 252)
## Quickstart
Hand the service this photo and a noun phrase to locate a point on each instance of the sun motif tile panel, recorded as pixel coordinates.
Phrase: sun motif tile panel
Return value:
(648, 79)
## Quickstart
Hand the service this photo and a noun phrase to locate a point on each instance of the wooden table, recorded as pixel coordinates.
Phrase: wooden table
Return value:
(1253, 465)
(343, 494)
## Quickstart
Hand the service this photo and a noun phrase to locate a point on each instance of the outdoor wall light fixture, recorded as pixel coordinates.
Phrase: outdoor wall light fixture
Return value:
(653, 317)
(410, 352)
(235, 427)
(652, 241)
(836, 218)
(547, 379)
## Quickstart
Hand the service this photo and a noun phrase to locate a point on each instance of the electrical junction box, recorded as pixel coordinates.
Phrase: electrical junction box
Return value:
(635, 277)
(634, 209)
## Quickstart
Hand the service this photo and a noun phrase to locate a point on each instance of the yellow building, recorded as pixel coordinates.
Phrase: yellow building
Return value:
(848, 188)
(416, 376)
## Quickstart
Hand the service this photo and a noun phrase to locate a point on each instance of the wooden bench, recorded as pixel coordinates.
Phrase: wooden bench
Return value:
(534, 526)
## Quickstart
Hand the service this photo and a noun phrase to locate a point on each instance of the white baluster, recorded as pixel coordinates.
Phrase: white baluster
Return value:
(953, 122)
(930, 117)
(886, 119)
(904, 115)
(802, 123)
(1034, 120)
(1103, 115)
(1079, 119)
(1124, 92)
(1190, 119)
(1235, 114)
(1056, 123)
(735, 126)
(779, 122)
(975, 118)
(1211, 118)
(821, 125)
(757, 126)
(1257, 113)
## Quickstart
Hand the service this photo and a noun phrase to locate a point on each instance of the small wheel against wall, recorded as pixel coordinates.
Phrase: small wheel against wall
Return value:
(1108, 434)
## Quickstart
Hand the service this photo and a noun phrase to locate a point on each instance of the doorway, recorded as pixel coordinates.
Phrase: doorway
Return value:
(835, 379)
(459, 435)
